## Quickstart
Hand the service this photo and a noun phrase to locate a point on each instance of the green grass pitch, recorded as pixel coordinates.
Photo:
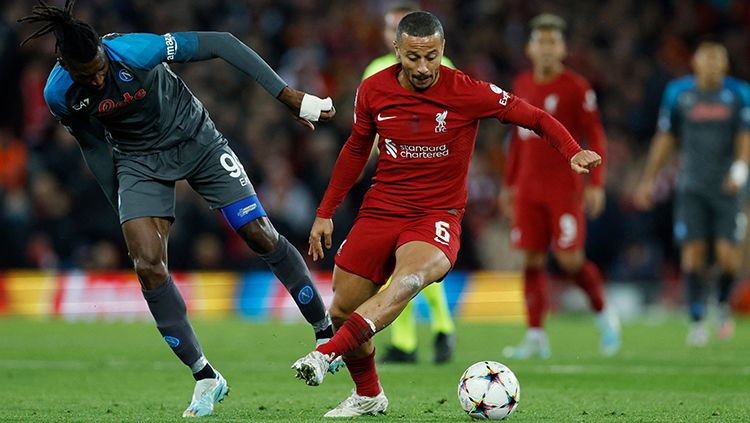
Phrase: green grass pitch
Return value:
(101, 372)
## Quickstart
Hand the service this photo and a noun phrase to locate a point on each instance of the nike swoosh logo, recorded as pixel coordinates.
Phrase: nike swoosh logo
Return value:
(382, 118)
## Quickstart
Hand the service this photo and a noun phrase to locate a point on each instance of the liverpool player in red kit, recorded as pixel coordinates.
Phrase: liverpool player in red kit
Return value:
(426, 116)
(546, 199)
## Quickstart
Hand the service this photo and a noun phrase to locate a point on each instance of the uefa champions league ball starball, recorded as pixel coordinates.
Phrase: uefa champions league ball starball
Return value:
(489, 390)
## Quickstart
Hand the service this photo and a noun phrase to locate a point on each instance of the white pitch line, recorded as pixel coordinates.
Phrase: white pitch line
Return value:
(78, 364)
(634, 369)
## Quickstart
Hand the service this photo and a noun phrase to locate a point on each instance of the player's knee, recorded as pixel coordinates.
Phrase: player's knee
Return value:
(570, 264)
(150, 266)
(728, 262)
(338, 315)
(406, 286)
(727, 251)
(569, 261)
(535, 260)
(249, 219)
(692, 263)
(260, 235)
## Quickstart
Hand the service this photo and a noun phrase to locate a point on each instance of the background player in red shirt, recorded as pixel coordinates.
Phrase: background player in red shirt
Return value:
(546, 200)
(426, 116)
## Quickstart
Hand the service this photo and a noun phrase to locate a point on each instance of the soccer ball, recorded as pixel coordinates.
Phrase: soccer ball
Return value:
(489, 390)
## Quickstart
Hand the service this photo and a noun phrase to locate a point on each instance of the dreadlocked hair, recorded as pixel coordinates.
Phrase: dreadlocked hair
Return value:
(76, 40)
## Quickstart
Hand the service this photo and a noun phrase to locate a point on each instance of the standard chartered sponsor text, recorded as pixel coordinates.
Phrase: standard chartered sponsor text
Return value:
(423, 151)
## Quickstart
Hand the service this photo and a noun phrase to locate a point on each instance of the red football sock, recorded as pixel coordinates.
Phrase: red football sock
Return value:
(589, 278)
(535, 293)
(364, 374)
(354, 332)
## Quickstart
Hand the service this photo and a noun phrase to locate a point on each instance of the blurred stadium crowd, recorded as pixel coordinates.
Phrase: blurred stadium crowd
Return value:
(53, 215)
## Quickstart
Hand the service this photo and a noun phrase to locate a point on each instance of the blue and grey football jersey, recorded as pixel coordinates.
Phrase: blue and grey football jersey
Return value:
(144, 106)
(706, 124)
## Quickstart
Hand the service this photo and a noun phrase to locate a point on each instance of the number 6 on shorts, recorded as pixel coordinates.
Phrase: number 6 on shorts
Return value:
(441, 232)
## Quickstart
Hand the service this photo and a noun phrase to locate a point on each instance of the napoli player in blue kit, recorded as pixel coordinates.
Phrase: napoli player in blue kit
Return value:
(709, 113)
(140, 130)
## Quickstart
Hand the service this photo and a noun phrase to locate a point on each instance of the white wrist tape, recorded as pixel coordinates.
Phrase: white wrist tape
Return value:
(738, 173)
(312, 106)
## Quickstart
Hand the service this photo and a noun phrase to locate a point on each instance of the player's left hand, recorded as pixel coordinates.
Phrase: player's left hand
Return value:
(593, 201)
(321, 228)
(584, 161)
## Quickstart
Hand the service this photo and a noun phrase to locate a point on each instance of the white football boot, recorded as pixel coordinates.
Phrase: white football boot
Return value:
(609, 326)
(357, 405)
(313, 367)
(697, 335)
(207, 393)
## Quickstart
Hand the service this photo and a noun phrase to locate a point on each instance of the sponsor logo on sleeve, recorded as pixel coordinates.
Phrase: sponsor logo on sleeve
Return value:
(171, 46)
(497, 90)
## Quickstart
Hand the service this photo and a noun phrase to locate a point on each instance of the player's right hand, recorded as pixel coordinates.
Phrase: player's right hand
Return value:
(643, 198)
(321, 228)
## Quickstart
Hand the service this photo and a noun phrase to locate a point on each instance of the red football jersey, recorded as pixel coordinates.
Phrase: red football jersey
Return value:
(534, 168)
(426, 140)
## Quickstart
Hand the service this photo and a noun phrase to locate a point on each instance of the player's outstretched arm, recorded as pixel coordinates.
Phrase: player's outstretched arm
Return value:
(96, 154)
(307, 108)
(543, 124)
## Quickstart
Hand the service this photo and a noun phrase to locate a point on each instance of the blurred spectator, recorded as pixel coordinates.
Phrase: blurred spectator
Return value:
(11, 66)
(14, 161)
(287, 201)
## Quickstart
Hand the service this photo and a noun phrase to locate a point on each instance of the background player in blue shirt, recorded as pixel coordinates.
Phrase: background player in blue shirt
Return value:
(709, 113)
(140, 130)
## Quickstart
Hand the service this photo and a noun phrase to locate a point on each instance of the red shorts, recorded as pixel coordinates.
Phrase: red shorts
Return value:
(370, 248)
(539, 225)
